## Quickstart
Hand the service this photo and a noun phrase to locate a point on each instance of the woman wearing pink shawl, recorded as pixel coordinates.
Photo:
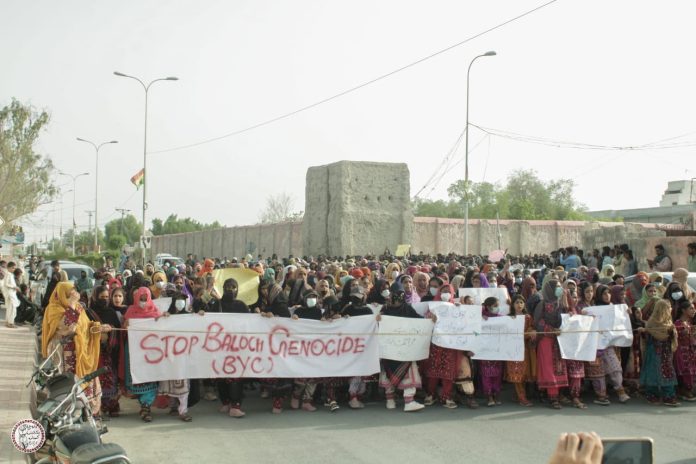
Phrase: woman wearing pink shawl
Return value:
(142, 308)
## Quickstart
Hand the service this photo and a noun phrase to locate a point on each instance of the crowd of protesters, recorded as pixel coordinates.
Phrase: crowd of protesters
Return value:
(660, 366)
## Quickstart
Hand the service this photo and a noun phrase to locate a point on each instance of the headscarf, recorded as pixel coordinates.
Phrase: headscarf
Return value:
(391, 268)
(644, 297)
(420, 283)
(660, 325)
(604, 274)
(158, 276)
(616, 291)
(273, 293)
(680, 275)
(484, 280)
(526, 289)
(445, 289)
(269, 274)
(635, 289)
(208, 266)
(136, 312)
(86, 342)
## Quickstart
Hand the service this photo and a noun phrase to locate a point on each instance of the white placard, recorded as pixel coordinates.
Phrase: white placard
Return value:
(457, 326)
(163, 303)
(375, 307)
(578, 341)
(479, 295)
(191, 346)
(422, 307)
(404, 338)
(614, 325)
(501, 339)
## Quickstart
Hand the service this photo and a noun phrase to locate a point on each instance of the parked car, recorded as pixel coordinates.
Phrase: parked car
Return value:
(74, 270)
(161, 258)
(667, 277)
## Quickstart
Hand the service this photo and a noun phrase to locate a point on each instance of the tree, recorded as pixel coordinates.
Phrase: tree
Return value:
(174, 225)
(524, 196)
(116, 242)
(25, 176)
(279, 209)
(129, 228)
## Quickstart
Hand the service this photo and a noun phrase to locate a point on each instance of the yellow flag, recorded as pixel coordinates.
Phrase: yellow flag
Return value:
(247, 279)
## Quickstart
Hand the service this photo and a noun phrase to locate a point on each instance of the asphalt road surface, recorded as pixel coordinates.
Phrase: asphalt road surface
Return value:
(506, 433)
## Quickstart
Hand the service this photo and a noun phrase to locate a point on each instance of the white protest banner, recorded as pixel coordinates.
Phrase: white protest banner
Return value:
(501, 339)
(422, 307)
(456, 326)
(614, 325)
(375, 307)
(578, 341)
(404, 338)
(163, 303)
(190, 346)
(479, 295)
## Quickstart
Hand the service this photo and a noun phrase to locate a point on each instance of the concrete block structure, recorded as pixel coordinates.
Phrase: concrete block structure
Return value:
(356, 208)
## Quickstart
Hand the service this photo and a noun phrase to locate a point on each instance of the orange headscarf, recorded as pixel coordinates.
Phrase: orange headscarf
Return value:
(208, 266)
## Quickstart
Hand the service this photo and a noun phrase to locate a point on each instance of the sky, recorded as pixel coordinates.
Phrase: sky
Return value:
(595, 73)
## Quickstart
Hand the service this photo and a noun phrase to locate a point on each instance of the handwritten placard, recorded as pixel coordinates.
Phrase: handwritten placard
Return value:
(457, 326)
(502, 339)
(163, 303)
(614, 325)
(479, 295)
(578, 339)
(216, 345)
(404, 339)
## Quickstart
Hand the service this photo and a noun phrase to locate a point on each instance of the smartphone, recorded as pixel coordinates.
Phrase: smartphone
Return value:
(637, 450)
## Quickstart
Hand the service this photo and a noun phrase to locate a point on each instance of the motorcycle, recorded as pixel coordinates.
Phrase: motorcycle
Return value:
(62, 408)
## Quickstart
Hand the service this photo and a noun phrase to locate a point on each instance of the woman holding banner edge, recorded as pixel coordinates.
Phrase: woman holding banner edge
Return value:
(551, 368)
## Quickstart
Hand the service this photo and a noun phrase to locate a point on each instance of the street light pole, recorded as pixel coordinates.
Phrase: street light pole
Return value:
(146, 88)
(74, 179)
(466, 163)
(96, 188)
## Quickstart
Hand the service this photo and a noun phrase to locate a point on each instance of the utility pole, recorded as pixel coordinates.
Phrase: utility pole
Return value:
(123, 212)
(89, 213)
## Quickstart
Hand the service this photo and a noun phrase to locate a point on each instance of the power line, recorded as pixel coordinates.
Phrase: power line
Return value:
(357, 87)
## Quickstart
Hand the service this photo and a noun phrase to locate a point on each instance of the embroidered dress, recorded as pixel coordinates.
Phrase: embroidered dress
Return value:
(657, 374)
(523, 371)
(685, 356)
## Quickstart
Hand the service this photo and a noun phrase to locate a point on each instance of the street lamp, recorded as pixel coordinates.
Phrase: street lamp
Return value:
(96, 187)
(146, 88)
(466, 162)
(74, 178)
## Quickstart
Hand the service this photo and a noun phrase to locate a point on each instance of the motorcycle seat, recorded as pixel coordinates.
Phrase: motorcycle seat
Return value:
(102, 453)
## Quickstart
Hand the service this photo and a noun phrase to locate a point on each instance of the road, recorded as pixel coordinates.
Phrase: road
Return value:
(506, 433)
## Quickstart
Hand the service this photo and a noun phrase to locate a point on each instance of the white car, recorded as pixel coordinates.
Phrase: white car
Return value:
(161, 258)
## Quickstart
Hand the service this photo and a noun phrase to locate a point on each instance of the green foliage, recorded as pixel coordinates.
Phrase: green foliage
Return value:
(25, 176)
(524, 196)
(129, 228)
(174, 225)
(116, 242)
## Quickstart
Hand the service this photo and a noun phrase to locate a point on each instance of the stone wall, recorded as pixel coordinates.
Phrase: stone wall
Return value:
(356, 208)
(283, 239)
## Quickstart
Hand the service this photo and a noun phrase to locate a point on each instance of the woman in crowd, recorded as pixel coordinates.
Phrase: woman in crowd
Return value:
(65, 317)
(551, 368)
(685, 354)
(142, 308)
(521, 373)
(491, 371)
(109, 351)
(659, 341)
(399, 374)
(443, 363)
(610, 360)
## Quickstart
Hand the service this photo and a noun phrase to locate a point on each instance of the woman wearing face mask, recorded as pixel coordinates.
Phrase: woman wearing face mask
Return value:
(142, 308)
(275, 304)
(433, 288)
(675, 295)
(159, 282)
(443, 363)
(551, 368)
(109, 352)
(357, 385)
(399, 374)
(65, 316)
(491, 371)
(304, 389)
(380, 293)
(230, 390)
(392, 273)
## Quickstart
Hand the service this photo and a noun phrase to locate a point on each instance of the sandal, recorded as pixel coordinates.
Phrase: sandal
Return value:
(555, 404)
(526, 403)
(579, 404)
(146, 414)
(173, 412)
(185, 417)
